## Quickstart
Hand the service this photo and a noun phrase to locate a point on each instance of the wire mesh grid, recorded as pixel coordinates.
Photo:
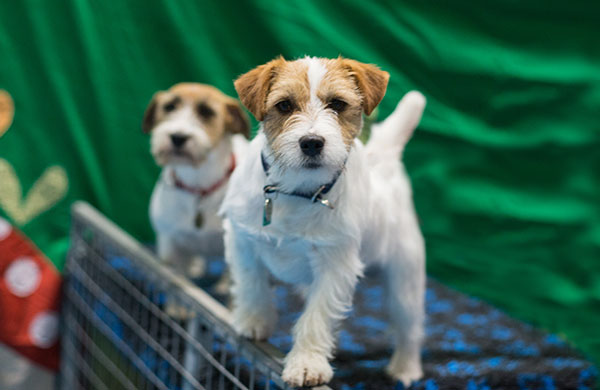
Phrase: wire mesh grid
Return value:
(129, 323)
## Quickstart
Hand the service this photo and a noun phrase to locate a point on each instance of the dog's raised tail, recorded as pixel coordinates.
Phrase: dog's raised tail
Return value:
(394, 132)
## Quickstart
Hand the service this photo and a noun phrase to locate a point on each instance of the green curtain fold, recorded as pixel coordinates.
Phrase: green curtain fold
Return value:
(505, 165)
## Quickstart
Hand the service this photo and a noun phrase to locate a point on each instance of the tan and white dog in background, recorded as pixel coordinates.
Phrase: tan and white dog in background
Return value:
(311, 205)
(198, 135)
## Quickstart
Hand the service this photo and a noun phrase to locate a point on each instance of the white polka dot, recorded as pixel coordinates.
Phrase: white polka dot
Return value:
(5, 229)
(43, 330)
(23, 277)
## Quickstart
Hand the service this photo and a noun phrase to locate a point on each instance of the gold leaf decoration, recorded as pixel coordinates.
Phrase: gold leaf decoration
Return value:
(48, 190)
(7, 111)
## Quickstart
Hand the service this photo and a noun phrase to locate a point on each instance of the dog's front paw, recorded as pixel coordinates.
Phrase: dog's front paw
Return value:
(304, 369)
(405, 369)
(255, 325)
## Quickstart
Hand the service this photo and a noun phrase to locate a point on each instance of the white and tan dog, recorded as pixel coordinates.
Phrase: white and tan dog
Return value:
(197, 136)
(312, 205)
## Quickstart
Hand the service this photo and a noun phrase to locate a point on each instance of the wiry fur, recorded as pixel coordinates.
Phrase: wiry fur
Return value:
(310, 245)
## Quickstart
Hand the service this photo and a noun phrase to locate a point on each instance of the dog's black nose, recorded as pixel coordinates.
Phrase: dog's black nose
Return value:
(312, 145)
(178, 139)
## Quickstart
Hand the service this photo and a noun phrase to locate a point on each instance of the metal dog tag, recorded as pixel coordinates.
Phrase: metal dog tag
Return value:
(267, 211)
(325, 203)
(199, 220)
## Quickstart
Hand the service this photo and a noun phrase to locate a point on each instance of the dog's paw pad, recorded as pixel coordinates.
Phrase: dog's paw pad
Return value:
(306, 370)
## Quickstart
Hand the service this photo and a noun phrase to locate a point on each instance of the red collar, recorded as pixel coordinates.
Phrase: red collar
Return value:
(202, 192)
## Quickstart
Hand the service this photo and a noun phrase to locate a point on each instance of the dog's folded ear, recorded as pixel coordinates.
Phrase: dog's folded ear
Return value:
(236, 120)
(372, 82)
(150, 115)
(253, 87)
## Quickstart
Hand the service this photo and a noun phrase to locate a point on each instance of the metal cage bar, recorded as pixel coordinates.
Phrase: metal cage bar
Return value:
(130, 323)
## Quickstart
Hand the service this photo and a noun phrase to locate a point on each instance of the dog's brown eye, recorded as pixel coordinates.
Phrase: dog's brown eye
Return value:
(170, 106)
(205, 111)
(284, 106)
(337, 105)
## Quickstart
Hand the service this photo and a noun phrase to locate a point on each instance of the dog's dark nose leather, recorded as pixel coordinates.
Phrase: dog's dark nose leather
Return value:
(312, 145)
(178, 140)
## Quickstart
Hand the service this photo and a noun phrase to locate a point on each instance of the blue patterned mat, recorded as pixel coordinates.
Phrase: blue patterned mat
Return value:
(469, 344)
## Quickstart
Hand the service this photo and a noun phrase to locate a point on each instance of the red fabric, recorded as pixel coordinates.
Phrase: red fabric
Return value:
(24, 316)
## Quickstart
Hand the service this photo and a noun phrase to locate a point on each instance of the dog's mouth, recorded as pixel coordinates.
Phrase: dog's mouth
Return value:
(180, 153)
(312, 165)
(177, 157)
(312, 162)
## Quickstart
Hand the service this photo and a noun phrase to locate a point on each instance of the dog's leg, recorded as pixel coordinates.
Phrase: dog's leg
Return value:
(172, 256)
(405, 273)
(254, 314)
(167, 250)
(179, 258)
(329, 299)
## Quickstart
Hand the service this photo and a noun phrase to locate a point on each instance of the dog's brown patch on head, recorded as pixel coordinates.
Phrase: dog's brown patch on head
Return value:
(254, 86)
(262, 88)
(337, 86)
(290, 87)
(349, 84)
(371, 81)
(218, 113)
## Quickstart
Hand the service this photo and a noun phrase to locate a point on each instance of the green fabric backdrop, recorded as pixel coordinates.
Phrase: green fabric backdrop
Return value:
(505, 166)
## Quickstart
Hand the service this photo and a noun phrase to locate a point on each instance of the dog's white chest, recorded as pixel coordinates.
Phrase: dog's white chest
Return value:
(287, 259)
(173, 211)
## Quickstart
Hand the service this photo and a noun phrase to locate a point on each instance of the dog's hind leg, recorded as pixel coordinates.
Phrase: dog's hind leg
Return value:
(405, 274)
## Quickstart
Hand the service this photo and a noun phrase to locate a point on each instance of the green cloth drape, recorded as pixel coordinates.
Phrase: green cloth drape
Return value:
(505, 166)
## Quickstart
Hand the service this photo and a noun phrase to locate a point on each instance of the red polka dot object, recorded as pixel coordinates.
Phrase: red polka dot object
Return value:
(29, 298)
